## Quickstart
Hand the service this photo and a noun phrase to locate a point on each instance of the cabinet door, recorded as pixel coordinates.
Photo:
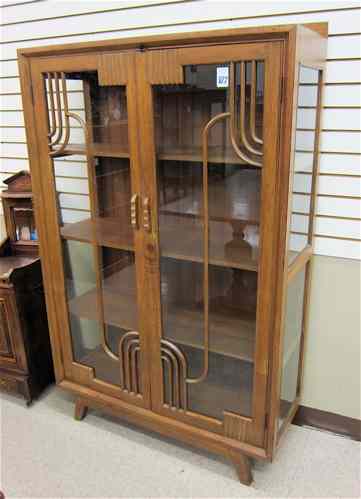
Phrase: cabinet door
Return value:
(211, 148)
(12, 351)
(88, 170)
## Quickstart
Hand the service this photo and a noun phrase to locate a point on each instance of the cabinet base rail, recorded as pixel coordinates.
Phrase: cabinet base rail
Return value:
(238, 453)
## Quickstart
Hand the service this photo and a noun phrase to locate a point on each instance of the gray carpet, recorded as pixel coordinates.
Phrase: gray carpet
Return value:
(46, 453)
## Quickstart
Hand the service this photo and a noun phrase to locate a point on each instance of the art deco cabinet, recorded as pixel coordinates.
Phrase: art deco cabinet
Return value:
(26, 366)
(174, 180)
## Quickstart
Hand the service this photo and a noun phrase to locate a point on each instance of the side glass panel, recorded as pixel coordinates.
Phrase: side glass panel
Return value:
(93, 186)
(209, 227)
(292, 343)
(303, 161)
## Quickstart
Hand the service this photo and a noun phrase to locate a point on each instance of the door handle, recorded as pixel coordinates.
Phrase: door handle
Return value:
(146, 215)
(134, 211)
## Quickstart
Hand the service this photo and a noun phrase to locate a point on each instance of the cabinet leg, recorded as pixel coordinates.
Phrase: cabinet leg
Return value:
(81, 409)
(243, 467)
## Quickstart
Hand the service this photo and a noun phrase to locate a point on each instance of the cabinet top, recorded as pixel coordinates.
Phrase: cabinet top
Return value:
(158, 41)
(18, 185)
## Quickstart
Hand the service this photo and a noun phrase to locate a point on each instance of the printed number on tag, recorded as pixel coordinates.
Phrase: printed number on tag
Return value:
(222, 77)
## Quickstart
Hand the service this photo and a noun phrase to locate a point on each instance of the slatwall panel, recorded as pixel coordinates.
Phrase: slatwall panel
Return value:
(34, 23)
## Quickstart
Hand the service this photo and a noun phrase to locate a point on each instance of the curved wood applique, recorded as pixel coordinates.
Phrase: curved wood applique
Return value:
(175, 364)
(129, 357)
(240, 142)
(59, 114)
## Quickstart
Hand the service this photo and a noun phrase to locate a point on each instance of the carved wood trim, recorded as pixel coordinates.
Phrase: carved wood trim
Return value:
(113, 69)
(241, 428)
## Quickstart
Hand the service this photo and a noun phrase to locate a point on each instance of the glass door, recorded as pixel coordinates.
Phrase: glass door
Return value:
(90, 170)
(215, 128)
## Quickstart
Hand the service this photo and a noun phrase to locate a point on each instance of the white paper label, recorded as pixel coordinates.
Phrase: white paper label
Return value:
(222, 77)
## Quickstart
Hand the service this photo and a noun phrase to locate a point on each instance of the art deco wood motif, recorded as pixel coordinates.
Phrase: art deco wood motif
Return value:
(26, 366)
(176, 273)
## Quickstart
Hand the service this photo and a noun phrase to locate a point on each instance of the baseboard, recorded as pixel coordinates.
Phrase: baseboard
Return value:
(342, 425)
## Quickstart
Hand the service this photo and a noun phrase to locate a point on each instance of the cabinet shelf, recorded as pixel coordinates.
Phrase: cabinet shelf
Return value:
(186, 245)
(232, 334)
(96, 148)
(185, 153)
(194, 154)
(107, 231)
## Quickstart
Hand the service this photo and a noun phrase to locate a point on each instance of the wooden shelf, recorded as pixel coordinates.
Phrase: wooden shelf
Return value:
(235, 198)
(181, 238)
(96, 149)
(16, 195)
(231, 334)
(181, 241)
(109, 150)
(186, 153)
(119, 300)
(109, 232)
(191, 153)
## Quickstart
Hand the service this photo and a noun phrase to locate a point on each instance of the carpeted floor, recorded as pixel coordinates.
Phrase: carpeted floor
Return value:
(46, 453)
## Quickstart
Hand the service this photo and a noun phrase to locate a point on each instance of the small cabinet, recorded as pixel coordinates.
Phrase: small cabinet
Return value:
(176, 257)
(26, 366)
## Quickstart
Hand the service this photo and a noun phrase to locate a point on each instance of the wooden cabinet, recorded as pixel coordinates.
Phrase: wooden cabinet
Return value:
(26, 366)
(176, 179)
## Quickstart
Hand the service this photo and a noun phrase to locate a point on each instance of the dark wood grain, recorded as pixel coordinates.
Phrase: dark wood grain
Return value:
(26, 365)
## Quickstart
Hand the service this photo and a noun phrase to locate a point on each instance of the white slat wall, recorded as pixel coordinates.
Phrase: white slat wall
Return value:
(43, 22)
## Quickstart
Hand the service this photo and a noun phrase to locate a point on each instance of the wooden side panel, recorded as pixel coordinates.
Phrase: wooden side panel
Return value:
(306, 47)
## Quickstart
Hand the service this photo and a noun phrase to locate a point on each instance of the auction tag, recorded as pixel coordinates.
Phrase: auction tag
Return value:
(222, 77)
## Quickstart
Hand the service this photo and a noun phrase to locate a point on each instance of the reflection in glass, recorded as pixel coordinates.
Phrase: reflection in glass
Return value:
(292, 343)
(303, 160)
(231, 191)
(102, 216)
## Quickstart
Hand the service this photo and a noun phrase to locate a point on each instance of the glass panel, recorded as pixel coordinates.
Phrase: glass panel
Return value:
(217, 201)
(303, 161)
(101, 312)
(93, 187)
(292, 343)
(102, 215)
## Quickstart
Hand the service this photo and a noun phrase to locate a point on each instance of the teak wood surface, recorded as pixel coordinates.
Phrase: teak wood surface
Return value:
(138, 64)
